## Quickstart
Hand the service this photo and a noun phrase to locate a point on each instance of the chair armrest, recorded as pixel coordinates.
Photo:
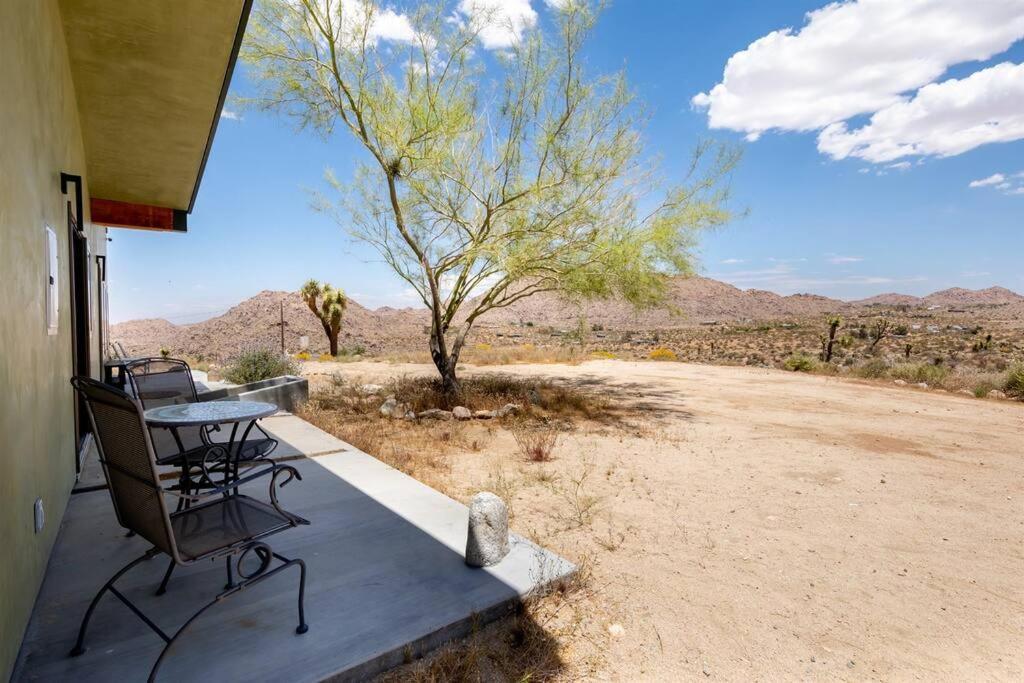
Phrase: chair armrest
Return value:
(273, 468)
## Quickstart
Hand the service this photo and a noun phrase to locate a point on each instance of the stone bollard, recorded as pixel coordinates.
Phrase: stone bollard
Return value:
(487, 542)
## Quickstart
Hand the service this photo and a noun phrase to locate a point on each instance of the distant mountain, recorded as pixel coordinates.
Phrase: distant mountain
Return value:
(957, 296)
(692, 301)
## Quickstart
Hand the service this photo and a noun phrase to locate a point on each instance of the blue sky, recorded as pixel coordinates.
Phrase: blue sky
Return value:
(831, 212)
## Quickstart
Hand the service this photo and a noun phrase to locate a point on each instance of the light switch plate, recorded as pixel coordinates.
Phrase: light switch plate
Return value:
(39, 515)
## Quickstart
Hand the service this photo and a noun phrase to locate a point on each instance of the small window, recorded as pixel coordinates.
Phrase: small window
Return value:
(52, 292)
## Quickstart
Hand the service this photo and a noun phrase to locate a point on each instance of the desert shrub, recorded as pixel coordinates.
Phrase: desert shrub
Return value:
(876, 368)
(800, 362)
(605, 355)
(165, 352)
(536, 445)
(919, 372)
(302, 355)
(483, 347)
(1014, 384)
(982, 387)
(253, 365)
(662, 353)
(325, 357)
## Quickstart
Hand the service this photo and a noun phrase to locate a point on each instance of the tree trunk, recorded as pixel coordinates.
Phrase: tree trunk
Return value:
(333, 341)
(445, 362)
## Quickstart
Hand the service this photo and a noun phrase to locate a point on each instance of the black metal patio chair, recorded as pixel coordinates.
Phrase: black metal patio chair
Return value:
(219, 523)
(168, 381)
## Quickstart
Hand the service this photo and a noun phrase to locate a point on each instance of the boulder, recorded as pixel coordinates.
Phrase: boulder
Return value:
(966, 392)
(388, 406)
(393, 409)
(900, 383)
(485, 414)
(995, 393)
(509, 409)
(370, 389)
(487, 539)
(921, 385)
(435, 414)
(462, 413)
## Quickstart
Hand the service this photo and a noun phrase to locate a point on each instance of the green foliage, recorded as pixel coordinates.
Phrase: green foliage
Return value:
(165, 352)
(1014, 385)
(915, 373)
(253, 365)
(328, 305)
(484, 183)
(800, 362)
(876, 368)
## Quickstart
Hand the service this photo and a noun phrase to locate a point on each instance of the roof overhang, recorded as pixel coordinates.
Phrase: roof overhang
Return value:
(150, 81)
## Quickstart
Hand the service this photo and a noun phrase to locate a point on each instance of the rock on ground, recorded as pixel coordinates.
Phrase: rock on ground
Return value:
(487, 540)
(462, 413)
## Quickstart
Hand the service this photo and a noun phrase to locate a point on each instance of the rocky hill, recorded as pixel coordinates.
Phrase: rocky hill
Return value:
(692, 302)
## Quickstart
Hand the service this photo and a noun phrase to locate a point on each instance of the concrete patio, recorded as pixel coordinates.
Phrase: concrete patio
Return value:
(387, 581)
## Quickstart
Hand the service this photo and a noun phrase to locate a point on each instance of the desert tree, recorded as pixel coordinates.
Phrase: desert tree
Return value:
(879, 331)
(828, 342)
(487, 177)
(328, 305)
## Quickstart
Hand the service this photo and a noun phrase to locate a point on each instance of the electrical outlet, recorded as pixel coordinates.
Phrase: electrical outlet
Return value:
(39, 515)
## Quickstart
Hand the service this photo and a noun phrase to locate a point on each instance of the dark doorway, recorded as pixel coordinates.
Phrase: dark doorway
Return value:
(79, 274)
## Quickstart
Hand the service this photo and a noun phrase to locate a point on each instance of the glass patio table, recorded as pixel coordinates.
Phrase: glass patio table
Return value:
(211, 413)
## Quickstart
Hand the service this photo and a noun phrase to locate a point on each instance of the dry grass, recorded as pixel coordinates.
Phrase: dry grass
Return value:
(555, 636)
(420, 449)
(962, 378)
(530, 645)
(536, 444)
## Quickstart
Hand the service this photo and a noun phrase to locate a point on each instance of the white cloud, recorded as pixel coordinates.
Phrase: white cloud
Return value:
(864, 57)
(784, 279)
(836, 260)
(900, 166)
(230, 115)
(942, 119)
(389, 25)
(1006, 183)
(732, 261)
(993, 179)
(500, 23)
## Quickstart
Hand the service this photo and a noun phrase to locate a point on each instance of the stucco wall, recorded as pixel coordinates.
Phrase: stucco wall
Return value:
(39, 138)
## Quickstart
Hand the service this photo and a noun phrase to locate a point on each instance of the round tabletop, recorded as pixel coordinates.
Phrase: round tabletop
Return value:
(208, 412)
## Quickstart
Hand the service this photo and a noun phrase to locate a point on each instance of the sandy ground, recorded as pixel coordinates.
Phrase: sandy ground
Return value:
(762, 525)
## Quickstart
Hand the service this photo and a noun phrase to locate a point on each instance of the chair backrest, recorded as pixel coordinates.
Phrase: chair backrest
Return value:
(161, 381)
(126, 454)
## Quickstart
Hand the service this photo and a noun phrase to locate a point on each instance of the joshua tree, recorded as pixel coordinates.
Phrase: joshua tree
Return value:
(485, 179)
(879, 331)
(328, 305)
(834, 321)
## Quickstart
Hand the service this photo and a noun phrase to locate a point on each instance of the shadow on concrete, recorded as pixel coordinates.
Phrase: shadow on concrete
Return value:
(387, 582)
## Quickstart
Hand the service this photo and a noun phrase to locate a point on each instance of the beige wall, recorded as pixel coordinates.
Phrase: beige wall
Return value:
(39, 138)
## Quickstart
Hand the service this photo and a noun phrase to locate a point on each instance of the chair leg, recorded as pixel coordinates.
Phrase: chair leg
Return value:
(163, 653)
(303, 626)
(237, 588)
(167, 577)
(80, 643)
(231, 578)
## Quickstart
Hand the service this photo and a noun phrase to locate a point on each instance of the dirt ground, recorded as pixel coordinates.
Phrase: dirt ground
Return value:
(752, 524)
